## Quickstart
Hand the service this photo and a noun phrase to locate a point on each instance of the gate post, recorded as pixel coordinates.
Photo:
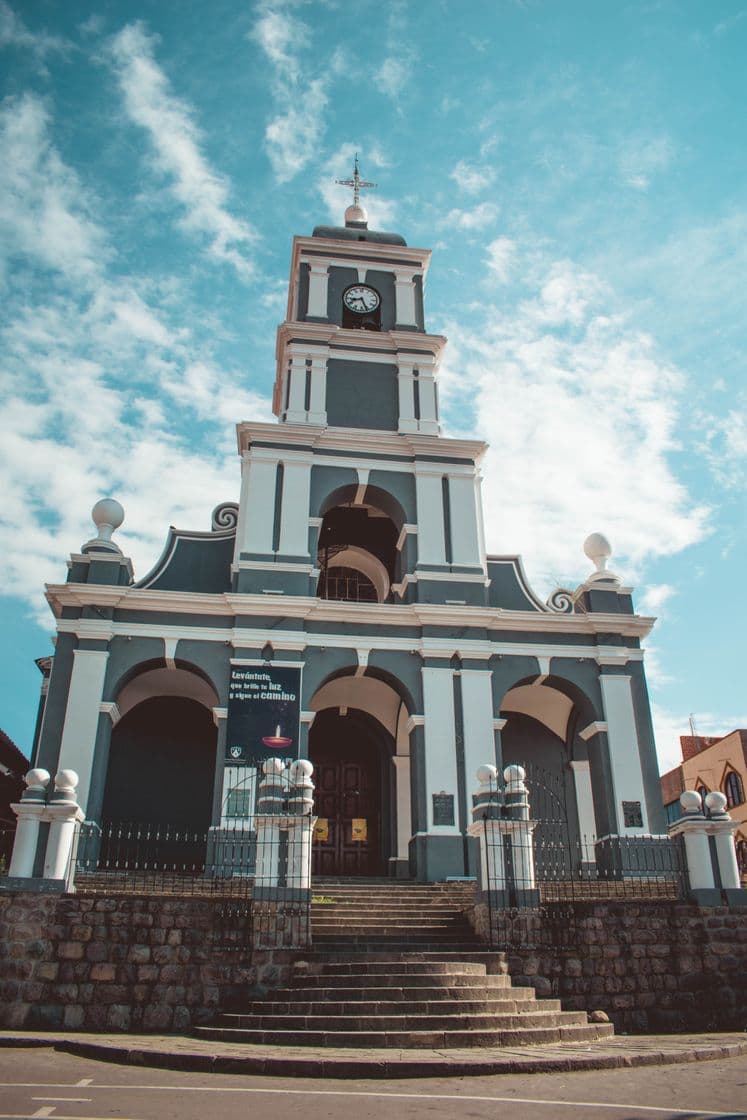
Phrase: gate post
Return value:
(64, 813)
(29, 812)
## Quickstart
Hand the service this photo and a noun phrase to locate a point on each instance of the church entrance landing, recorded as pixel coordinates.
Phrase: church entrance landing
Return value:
(348, 756)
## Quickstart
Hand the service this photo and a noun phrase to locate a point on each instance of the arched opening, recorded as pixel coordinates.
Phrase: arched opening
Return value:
(359, 745)
(162, 765)
(357, 554)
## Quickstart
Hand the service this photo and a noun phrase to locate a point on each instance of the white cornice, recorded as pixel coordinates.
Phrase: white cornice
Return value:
(352, 440)
(346, 615)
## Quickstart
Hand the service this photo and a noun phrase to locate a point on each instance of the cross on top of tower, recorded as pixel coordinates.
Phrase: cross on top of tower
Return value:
(356, 213)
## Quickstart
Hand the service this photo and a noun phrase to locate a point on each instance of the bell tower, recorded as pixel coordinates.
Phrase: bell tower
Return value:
(353, 351)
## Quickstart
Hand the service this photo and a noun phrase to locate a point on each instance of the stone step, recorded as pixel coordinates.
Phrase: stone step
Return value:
(494, 961)
(457, 1020)
(431, 1040)
(418, 1004)
(333, 987)
(400, 967)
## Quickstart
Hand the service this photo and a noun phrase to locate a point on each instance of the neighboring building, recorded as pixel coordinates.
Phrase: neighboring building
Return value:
(712, 763)
(13, 766)
(349, 602)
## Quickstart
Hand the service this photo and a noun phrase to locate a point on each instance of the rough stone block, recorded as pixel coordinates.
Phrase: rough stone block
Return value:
(70, 950)
(103, 972)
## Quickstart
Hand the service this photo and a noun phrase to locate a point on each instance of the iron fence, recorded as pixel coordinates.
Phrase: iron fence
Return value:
(259, 897)
(543, 911)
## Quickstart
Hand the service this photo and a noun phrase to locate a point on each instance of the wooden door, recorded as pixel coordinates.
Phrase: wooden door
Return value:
(347, 806)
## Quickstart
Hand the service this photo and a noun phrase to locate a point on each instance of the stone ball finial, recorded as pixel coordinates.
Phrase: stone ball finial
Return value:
(356, 214)
(273, 766)
(300, 771)
(37, 778)
(598, 549)
(107, 516)
(690, 802)
(66, 781)
(487, 774)
(715, 802)
(514, 773)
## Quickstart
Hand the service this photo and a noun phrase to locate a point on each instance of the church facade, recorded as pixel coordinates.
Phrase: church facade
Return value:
(345, 610)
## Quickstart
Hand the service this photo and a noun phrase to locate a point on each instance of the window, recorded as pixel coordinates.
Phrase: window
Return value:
(741, 846)
(733, 789)
(673, 811)
(702, 790)
(239, 802)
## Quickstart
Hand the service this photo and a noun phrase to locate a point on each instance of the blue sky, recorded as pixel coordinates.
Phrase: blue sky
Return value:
(579, 170)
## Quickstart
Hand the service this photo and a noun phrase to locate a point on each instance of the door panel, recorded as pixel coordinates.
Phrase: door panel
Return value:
(347, 791)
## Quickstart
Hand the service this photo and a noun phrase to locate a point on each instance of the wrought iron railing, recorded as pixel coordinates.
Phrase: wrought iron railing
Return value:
(543, 911)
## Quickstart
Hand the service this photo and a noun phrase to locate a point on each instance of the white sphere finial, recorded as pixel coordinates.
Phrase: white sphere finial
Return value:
(107, 516)
(599, 550)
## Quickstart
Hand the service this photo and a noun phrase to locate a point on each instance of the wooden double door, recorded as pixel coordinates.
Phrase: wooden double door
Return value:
(347, 798)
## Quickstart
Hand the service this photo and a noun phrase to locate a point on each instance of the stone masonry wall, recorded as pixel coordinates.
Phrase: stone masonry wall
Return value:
(123, 963)
(651, 966)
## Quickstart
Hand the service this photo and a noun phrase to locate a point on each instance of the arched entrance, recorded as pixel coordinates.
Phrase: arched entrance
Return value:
(349, 753)
(162, 765)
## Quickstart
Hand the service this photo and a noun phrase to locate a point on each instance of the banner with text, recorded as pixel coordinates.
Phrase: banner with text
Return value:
(264, 712)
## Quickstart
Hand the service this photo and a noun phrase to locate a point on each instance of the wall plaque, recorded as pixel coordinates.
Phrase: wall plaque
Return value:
(632, 815)
(443, 808)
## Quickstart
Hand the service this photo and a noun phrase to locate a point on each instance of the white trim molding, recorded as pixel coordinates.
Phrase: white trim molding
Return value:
(592, 729)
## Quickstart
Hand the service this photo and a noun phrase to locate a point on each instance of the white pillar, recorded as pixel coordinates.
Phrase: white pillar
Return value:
(402, 802)
(465, 542)
(477, 718)
(318, 397)
(296, 410)
(404, 294)
(29, 812)
(63, 813)
(82, 717)
(428, 423)
(625, 759)
(693, 827)
(585, 805)
(318, 284)
(429, 497)
(726, 855)
(440, 744)
(258, 514)
(294, 514)
(405, 383)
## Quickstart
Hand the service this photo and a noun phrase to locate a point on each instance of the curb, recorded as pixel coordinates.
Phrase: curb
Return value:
(181, 1054)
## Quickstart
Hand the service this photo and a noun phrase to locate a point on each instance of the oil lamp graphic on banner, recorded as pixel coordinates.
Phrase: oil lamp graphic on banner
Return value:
(276, 742)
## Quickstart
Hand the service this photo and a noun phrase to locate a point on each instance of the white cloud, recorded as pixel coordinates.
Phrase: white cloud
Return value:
(480, 216)
(724, 444)
(200, 191)
(293, 135)
(45, 216)
(394, 72)
(15, 33)
(654, 597)
(471, 178)
(97, 384)
(581, 415)
(501, 255)
(642, 157)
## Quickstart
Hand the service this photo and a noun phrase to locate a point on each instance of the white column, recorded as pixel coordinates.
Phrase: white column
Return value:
(625, 760)
(477, 720)
(465, 542)
(440, 744)
(402, 802)
(404, 291)
(296, 411)
(63, 813)
(294, 514)
(407, 421)
(428, 423)
(82, 716)
(585, 805)
(29, 812)
(429, 497)
(318, 284)
(726, 854)
(318, 396)
(259, 512)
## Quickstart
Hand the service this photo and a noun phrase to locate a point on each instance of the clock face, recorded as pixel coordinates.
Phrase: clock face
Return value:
(361, 299)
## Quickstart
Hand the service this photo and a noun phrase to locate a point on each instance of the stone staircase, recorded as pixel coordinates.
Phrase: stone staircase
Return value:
(398, 965)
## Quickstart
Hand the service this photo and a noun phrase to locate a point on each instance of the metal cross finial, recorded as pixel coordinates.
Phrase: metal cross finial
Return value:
(356, 183)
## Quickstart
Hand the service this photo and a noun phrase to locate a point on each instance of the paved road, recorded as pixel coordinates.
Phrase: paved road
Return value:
(50, 1086)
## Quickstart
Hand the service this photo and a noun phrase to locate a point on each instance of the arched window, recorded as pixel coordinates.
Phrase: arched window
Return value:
(733, 789)
(741, 846)
(702, 790)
